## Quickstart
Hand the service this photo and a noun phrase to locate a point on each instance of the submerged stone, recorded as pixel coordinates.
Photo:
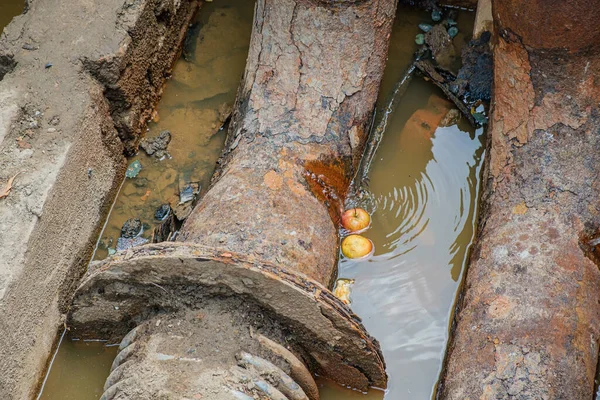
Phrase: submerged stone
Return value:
(436, 15)
(134, 169)
(420, 39)
(157, 146)
(131, 228)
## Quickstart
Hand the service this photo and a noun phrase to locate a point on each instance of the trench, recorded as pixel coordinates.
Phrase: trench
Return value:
(424, 186)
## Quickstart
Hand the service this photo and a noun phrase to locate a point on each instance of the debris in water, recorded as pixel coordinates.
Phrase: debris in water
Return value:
(111, 251)
(343, 288)
(189, 192)
(166, 229)
(451, 118)
(425, 27)
(480, 118)
(420, 39)
(157, 146)
(127, 243)
(132, 228)
(131, 235)
(5, 191)
(134, 169)
(162, 212)
(453, 31)
(145, 196)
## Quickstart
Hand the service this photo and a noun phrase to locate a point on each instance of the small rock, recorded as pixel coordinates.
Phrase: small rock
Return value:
(181, 211)
(162, 212)
(134, 169)
(420, 39)
(51, 130)
(436, 15)
(131, 228)
(54, 120)
(48, 65)
(111, 251)
(157, 146)
(30, 47)
(425, 27)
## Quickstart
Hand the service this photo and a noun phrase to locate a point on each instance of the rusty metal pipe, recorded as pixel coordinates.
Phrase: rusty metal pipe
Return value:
(266, 231)
(528, 323)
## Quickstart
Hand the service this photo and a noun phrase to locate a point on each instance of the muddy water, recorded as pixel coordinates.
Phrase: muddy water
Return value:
(424, 185)
(79, 371)
(204, 83)
(8, 10)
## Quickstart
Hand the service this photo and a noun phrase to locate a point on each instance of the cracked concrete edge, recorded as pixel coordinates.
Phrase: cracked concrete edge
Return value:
(57, 130)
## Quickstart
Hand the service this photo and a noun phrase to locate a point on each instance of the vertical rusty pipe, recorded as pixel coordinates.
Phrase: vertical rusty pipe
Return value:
(528, 323)
(303, 109)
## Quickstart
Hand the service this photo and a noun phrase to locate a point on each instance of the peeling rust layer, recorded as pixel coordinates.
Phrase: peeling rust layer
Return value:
(528, 323)
(132, 287)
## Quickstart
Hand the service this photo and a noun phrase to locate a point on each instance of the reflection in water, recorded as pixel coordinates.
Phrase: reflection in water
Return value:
(8, 10)
(424, 182)
(203, 83)
(79, 371)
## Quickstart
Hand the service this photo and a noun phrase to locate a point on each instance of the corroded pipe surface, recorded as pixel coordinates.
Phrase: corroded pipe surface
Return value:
(528, 322)
(266, 231)
(310, 85)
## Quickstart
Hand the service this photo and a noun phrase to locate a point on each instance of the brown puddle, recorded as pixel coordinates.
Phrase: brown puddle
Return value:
(8, 10)
(204, 81)
(424, 183)
(78, 371)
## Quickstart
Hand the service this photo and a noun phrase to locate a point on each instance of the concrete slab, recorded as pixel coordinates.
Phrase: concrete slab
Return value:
(82, 77)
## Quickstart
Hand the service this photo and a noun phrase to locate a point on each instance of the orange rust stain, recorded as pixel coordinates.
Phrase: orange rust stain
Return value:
(520, 209)
(329, 180)
(273, 180)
